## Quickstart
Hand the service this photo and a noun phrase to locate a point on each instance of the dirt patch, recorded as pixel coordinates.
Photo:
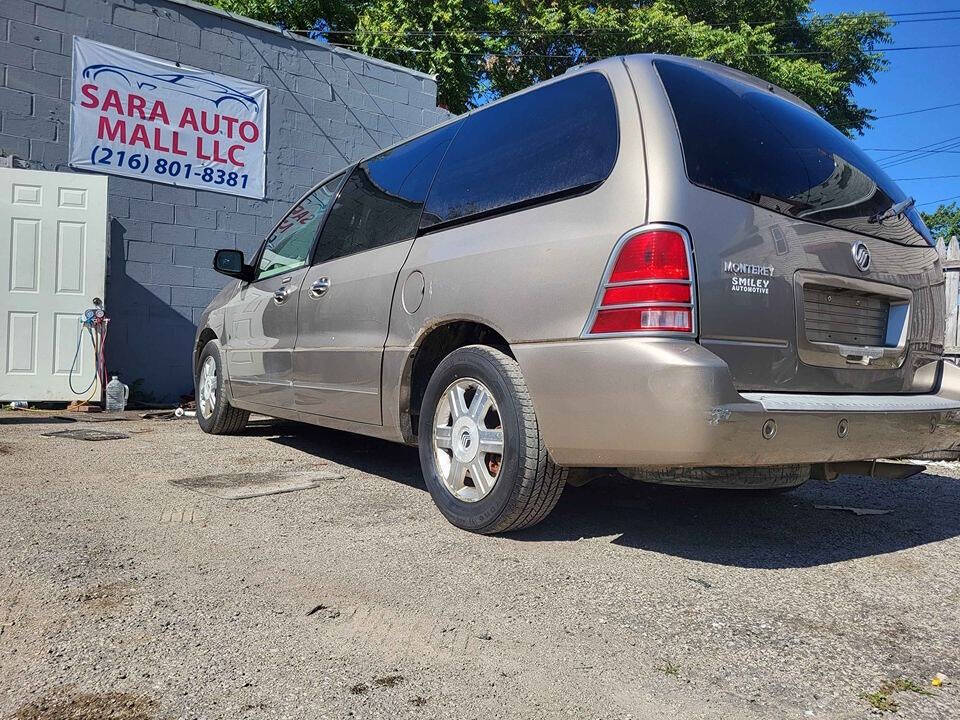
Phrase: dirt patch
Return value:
(359, 689)
(104, 597)
(389, 681)
(89, 706)
(6, 449)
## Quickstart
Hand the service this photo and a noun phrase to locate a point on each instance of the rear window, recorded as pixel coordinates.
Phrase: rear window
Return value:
(556, 140)
(744, 141)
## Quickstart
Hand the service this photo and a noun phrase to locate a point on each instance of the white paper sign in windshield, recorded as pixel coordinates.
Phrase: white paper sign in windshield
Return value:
(139, 116)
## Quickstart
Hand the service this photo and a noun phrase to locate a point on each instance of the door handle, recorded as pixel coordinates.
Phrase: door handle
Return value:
(280, 295)
(320, 287)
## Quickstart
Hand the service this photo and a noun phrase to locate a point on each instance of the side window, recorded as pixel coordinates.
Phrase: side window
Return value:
(381, 201)
(559, 138)
(289, 245)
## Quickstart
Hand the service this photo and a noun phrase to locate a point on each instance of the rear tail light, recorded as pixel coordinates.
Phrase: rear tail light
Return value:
(648, 286)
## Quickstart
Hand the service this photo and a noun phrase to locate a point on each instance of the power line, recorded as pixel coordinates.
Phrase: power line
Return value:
(922, 147)
(934, 202)
(928, 177)
(914, 112)
(919, 155)
(901, 150)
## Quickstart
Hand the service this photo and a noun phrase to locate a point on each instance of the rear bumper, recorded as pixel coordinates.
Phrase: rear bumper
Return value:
(634, 402)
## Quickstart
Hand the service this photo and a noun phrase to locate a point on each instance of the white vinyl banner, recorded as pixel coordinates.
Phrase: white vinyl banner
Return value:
(136, 115)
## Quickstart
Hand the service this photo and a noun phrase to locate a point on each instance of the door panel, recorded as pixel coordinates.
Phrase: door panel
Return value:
(260, 336)
(342, 333)
(53, 240)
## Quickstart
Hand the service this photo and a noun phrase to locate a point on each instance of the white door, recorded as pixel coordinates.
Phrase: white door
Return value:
(53, 241)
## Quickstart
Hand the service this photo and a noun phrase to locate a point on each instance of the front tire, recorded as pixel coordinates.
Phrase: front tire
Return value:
(214, 412)
(483, 458)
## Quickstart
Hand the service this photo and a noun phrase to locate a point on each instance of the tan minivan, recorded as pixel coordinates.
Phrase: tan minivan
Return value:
(651, 263)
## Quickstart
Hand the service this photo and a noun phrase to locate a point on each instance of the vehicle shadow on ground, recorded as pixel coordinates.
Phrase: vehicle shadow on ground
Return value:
(721, 527)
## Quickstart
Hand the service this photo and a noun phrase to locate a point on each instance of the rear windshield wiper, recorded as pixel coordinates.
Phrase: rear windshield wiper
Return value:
(894, 210)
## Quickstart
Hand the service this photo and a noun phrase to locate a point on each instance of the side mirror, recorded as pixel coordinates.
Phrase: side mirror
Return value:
(230, 262)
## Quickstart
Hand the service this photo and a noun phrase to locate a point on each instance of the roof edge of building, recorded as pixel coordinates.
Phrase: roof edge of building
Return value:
(299, 38)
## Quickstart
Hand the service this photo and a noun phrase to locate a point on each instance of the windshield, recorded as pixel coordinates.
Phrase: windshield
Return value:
(748, 142)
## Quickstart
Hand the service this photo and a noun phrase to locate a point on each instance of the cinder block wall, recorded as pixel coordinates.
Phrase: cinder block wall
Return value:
(327, 108)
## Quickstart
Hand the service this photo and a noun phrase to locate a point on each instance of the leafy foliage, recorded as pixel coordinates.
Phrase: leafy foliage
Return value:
(944, 221)
(482, 49)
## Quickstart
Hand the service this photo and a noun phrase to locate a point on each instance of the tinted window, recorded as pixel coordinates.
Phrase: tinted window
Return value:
(746, 141)
(289, 245)
(382, 199)
(557, 139)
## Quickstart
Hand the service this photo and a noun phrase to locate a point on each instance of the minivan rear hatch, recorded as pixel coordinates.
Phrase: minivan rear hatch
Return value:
(807, 281)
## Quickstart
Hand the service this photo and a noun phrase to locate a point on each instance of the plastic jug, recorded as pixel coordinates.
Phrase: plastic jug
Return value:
(117, 395)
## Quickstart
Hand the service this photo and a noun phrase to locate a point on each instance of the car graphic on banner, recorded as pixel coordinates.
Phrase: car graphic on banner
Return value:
(143, 117)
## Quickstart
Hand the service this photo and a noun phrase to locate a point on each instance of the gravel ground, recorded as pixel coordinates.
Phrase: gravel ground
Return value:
(125, 596)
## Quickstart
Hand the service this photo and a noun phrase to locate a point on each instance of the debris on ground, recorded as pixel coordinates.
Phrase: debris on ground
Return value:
(940, 679)
(243, 486)
(87, 434)
(854, 510)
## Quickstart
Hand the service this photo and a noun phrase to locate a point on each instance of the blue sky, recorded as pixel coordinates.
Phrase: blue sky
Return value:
(915, 79)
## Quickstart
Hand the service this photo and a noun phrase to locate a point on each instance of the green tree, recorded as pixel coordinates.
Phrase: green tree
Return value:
(944, 222)
(482, 49)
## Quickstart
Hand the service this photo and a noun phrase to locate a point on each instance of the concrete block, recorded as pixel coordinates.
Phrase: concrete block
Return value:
(174, 234)
(16, 55)
(174, 195)
(219, 43)
(195, 217)
(391, 92)
(118, 207)
(135, 20)
(131, 187)
(408, 113)
(107, 32)
(49, 155)
(208, 278)
(183, 33)
(53, 109)
(53, 63)
(66, 22)
(149, 252)
(385, 74)
(238, 222)
(16, 101)
(215, 239)
(167, 274)
(216, 201)
(196, 57)
(153, 211)
(157, 47)
(198, 257)
(17, 10)
(161, 292)
(33, 81)
(138, 271)
(101, 10)
(29, 127)
(57, 4)
(192, 297)
(313, 87)
(32, 36)
(238, 68)
(411, 82)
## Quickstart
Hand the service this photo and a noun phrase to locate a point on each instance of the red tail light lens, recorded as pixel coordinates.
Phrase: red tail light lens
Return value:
(656, 254)
(650, 288)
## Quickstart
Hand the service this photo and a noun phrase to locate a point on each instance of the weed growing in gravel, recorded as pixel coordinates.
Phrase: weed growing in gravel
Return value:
(908, 685)
(881, 701)
(669, 668)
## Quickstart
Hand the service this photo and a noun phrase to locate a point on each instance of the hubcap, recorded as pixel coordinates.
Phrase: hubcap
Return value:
(468, 440)
(207, 387)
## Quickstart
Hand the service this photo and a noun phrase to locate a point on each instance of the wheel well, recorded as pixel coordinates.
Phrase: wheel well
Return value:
(206, 336)
(435, 346)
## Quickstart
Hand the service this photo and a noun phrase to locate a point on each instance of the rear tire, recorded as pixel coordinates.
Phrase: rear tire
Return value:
(215, 414)
(527, 483)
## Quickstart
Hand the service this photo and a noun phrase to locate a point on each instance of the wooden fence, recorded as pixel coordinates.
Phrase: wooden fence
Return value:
(950, 258)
